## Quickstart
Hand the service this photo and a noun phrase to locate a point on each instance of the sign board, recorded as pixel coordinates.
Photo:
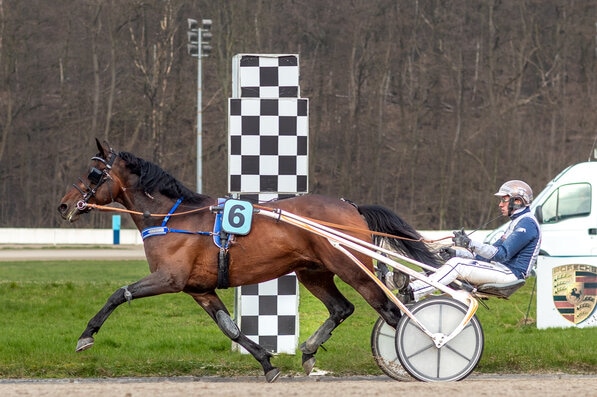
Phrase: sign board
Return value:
(566, 291)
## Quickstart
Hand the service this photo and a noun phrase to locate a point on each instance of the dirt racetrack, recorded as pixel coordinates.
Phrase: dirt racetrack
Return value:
(474, 385)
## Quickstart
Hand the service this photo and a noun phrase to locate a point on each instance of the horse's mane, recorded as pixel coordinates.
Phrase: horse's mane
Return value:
(152, 178)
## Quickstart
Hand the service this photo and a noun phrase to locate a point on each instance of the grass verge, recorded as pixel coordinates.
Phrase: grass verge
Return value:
(46, 305)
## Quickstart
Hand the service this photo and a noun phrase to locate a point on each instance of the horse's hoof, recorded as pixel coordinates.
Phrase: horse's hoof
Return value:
(308, 365)
(272, 375)
(84, 344)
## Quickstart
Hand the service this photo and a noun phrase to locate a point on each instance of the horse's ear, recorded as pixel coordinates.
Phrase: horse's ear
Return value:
(99, 146)
(103, 150)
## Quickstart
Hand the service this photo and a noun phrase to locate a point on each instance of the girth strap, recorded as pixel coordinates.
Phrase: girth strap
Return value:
(222, 240)
(223, 267)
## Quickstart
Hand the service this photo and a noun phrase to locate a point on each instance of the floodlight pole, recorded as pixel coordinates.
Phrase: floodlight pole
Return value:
(199, 48)
(199, 122)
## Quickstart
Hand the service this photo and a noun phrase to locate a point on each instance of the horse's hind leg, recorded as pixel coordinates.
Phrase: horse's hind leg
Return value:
(218, 312)
(322, 286)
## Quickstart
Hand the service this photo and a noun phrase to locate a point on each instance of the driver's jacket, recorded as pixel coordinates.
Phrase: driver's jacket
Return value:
(518, 248)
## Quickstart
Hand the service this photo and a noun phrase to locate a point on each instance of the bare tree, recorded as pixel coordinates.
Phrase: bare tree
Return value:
(425, 107)
(154, 58)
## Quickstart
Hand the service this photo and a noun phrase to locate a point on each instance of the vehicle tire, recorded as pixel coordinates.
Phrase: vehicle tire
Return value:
(383, 347)
(419, 355)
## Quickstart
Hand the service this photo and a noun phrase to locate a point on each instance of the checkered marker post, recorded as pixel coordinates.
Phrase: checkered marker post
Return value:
(269, 314)
(268, 131)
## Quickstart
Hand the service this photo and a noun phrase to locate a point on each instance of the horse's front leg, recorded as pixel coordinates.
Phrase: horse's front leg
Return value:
(153, 284)
(214, 306)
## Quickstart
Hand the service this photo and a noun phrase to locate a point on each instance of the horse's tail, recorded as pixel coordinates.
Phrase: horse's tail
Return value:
(409, 241)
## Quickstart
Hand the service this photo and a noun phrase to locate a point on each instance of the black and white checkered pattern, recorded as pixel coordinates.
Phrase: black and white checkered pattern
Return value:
(266, 76)
(270, 314)
(268, 159)
(268, 146)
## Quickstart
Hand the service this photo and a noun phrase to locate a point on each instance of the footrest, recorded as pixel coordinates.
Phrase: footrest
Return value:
(501, 290)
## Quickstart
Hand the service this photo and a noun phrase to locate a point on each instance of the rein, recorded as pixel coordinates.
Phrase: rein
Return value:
(259, 207)
(357, 229)
(145, 214)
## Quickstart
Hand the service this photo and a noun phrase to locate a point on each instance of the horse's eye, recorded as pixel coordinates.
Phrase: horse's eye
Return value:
(95, 175)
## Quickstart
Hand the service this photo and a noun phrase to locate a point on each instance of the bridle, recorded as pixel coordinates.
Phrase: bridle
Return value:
(96, 179)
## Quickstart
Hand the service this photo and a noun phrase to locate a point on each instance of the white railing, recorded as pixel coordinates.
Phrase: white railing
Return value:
(20, 236)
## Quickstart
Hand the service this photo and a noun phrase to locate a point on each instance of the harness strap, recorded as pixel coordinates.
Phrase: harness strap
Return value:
(172, 210)
(222, 240)
(223, 262)
(154, 231)
(220, 237)
(163, 229)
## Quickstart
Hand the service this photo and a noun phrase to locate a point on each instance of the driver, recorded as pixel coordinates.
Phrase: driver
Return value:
(510, 258)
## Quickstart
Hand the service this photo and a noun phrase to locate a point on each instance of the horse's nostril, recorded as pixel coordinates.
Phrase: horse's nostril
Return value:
(62, 208)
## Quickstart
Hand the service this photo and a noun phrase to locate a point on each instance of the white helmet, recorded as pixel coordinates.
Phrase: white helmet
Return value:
(517, 189)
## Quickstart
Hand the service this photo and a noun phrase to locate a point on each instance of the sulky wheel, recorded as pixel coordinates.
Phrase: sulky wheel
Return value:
(383, 347)
(417, 352)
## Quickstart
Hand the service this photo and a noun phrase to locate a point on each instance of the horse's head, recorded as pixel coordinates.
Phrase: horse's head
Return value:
(99, 186)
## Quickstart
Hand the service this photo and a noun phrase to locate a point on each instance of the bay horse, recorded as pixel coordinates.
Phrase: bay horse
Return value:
(182, 256)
